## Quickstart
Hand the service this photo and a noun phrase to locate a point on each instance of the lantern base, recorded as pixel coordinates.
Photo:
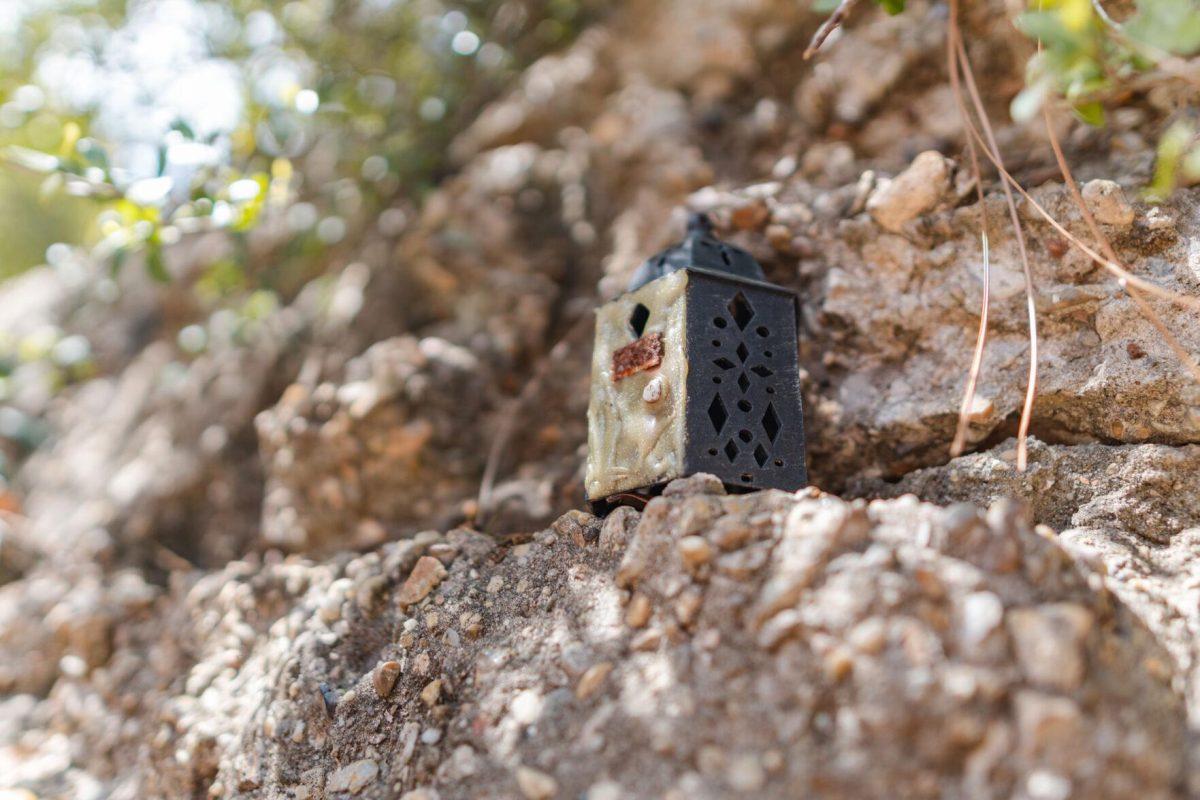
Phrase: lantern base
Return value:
(638, 498)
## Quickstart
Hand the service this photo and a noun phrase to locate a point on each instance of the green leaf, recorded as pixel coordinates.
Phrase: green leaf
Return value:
(119, 257)
(1171, 25)
(1048, 27)
(1171, 149)
(1092, 113)
(184, 128)
(156, 266)
(892, 6)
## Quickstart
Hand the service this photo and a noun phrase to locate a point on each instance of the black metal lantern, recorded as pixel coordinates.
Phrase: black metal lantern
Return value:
(695, 369)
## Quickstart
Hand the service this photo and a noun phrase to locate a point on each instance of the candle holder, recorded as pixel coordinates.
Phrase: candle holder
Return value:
(695, 369)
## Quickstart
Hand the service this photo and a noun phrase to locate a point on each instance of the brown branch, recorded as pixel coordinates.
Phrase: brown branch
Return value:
(831, 24)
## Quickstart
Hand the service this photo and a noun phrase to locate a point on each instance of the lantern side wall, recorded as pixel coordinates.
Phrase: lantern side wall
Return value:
(745, 420)
(634, 443)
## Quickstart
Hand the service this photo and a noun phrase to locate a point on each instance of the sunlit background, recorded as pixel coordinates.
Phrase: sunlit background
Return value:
(126, 125)
(238, 144)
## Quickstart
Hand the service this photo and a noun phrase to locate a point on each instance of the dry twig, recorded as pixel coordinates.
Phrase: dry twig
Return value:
(993, 151)
(964, 412)
(831, 24)
(1136, 296)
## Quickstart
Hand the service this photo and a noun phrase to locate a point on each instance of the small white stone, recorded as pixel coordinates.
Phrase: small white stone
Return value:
(535, 784)
(526, 707)
(1046, 785)
(982, 613)
(745, 774)
(1107, 202)
(353, 777)
(606, 790)
(1049, 643)
(915, 191)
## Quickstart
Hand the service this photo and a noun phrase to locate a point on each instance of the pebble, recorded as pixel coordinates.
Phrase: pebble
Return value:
(353, 778)
(700, 483)
(421, 794)
(1046, 785)
(838, 663)
(617, 528)
(330, 696)
(982, 613)
(443, 552)
(580, 527)
(527, 706)
(645, 641)
(535, 784)
(745, 774)
(638, 613)
(749, 214)
(592, 679)
(1046, 724)
(427, 574)
(431, 693)
(915, 191)
(695, 551)
(687, 605)
(1107, 202)
(730, 533)
(331, 609)
(1048, 640)
(869, 636)
(606, 790)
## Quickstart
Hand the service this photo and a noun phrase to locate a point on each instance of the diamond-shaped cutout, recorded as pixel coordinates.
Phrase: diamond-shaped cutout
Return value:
(717, 413)
(724, 363)
(743, 382)
(731, 451)
(741, 310)
(770, 422)
(638, 319)
(761, 455)
(761, 371)
(742, 352)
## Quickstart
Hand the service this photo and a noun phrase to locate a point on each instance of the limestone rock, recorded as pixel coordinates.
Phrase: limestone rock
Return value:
(910, 194)
(426, 575)
(870, 608)
(1107, 202)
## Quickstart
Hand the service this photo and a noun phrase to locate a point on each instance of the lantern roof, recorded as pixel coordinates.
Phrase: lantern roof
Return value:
(700, 249)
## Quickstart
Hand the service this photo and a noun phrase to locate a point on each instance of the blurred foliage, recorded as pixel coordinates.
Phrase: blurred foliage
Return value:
(127, 125)
(1087, 57)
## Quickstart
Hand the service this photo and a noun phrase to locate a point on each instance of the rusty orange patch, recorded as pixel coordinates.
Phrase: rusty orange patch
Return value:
(645, 353)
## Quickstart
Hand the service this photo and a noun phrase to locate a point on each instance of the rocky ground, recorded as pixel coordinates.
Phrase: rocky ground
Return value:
(334, 555)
